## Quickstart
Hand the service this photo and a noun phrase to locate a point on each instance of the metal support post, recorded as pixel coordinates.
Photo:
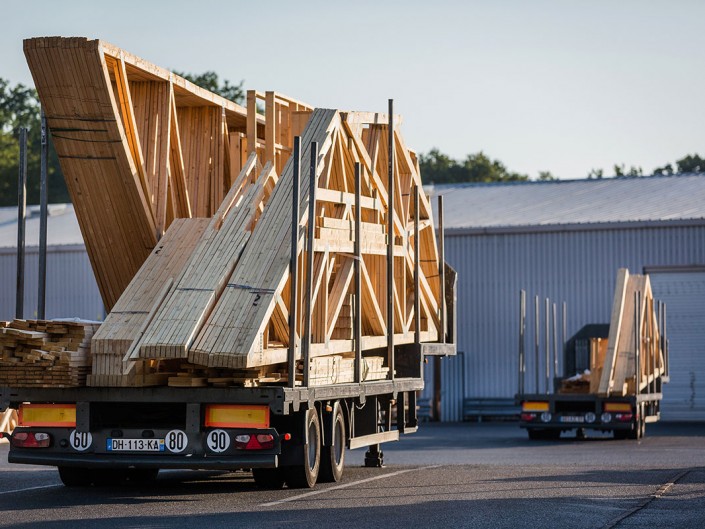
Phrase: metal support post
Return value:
(43, 213)
(294, 262)
(309, 272)
(548, 346)
(357, 276)
(21, 223)
(537, 333)
(522, 340)
(390, 241)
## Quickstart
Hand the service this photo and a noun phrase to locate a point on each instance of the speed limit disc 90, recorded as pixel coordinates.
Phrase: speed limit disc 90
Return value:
(218, 440)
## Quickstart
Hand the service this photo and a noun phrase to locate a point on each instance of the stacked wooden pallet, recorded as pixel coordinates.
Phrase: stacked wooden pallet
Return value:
(45, 353)
(633, 328)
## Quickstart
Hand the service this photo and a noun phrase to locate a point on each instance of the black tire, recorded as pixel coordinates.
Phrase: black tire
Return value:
(333, 455)
(76, 477)
(269, 478)
(305, 474)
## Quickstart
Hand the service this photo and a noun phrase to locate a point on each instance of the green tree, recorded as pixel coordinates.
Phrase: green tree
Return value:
(691, 163)
(619, 170)
(595, 173)
(439, 168)
(19, 107)
(210, 81)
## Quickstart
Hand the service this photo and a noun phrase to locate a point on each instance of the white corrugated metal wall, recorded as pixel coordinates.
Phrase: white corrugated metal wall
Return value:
(578, 267)
(683, 291)
(71, 289)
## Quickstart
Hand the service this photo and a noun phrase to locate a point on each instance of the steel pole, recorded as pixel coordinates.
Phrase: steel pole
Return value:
(294, 262)
(357, 277)
(390, 240)
(43, 214)
(555, 341)
(417, 265)
(21, 223)
(309, 272)
(522, 340)
(548, 346)
(537, 336)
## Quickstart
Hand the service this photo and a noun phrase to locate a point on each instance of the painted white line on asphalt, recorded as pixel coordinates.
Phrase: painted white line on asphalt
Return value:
(30, 488)
(344, 486)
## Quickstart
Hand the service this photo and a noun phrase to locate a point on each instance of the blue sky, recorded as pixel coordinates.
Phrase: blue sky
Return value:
(563, 86)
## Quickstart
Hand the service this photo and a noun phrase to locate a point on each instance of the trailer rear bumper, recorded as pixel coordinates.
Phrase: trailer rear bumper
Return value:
(150, 461)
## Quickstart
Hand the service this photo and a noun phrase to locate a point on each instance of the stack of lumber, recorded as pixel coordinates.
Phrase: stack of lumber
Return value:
(619, 374)
(579, 383)
(45, 353)
(140, 146)
(194, 300)
(8, 422)
(336, 369)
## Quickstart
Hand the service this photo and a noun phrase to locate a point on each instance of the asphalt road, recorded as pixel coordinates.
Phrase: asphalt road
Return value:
(456, 475)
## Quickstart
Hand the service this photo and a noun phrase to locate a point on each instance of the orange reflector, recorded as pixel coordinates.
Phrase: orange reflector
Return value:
(57, 415)
(534, 406)
(618, 406)
(237, 416)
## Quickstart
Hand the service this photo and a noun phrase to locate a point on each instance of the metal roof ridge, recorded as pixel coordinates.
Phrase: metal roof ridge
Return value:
(558, 181)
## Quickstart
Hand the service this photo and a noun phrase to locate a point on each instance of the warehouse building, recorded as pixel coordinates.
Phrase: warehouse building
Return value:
(71, 289)
(565, 240)
(562, 240)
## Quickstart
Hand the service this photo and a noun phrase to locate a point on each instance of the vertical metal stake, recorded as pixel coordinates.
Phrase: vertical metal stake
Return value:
(555, 342)
(417, 265)
(356, 271)
(390, 241)
(565, 334)
(21, 223)
(309, 272)
(43, 213)
(548, 347)
(442, 267)
(522, 340)
(294, 262)
(537, 335)
(637, 336)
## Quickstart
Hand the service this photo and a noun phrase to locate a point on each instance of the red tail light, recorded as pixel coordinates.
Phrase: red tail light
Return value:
(527, 417)
(31, 440)
(624, 417)
(263, 441)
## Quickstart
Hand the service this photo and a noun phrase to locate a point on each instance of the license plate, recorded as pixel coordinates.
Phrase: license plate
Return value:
(135, 445)
(572, 418)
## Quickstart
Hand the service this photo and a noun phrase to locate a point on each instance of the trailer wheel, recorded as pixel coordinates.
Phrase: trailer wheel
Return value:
(76, 477)
(269, 478)
(333, 455)
(305, 474)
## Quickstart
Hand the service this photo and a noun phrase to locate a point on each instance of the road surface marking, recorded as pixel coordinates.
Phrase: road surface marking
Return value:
(663, 489)
(344, 486)
(30, 488)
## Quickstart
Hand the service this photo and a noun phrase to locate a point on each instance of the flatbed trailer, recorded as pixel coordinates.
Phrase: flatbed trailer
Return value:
(275, 275)
(547, 416)
(293, 435)
(627, 361)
